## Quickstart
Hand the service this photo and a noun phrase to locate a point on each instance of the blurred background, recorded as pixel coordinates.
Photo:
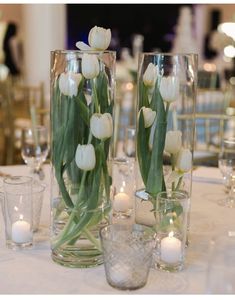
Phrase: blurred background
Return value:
(28, 32)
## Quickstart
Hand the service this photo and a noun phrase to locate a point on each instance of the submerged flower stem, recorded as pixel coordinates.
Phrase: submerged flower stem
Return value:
(167, 109)
(91, 237)
(179, 184)
(95, 98)
(74, 211)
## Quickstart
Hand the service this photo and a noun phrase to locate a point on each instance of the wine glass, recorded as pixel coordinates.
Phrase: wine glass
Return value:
(35, 148)
(227, 168)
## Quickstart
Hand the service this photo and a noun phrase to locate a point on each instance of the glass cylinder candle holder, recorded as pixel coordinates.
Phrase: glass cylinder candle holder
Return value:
(123, 188)
(17, 211)
(171, 228)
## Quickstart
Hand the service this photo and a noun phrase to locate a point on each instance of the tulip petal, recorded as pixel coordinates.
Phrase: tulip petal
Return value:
(83, 46)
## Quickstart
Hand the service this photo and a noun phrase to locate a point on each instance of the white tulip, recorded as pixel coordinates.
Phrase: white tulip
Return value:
(85, 157)
(149, 116)
(184, 160)
(150, 75)
(169, 88)
(99, 38)
(90, 66)
(101, 125)
(69, 82)
(173, 141)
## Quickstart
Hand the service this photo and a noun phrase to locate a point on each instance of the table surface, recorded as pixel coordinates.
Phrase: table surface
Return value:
(34, 272)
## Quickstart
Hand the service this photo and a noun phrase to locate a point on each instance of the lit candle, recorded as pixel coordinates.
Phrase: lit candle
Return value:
(20, 232)
(121, 201)
(171, 249)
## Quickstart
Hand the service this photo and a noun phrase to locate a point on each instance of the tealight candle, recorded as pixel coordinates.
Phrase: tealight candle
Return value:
(121, 202)
(170, 249)
(20, 232)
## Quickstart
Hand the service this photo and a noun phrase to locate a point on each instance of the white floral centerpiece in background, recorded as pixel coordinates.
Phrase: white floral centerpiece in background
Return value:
(82, 85)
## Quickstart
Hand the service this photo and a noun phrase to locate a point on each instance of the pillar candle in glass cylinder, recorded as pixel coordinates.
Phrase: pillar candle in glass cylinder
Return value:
(21, 232)
(171, 249)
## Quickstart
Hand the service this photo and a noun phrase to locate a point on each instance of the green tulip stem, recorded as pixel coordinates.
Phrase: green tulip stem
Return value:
(74, 210)
(73, 214)
(179, 183)
(90, 237)
(94, 93)
(167, 108)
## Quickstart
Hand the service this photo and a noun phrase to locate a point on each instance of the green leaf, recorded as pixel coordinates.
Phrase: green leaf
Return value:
(155, 176)
(143, 95)
(155, 98)
(143, 152)
(83, 110)
(102, 91)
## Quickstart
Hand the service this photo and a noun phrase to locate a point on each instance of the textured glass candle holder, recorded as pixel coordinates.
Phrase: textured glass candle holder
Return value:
(127, 251)
(17, 211)
(171, 228)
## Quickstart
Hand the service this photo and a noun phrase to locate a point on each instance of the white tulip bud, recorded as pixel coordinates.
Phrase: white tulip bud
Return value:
(184, 160)
(69, 82)
(169, 88)
(85, 157)
(173, 141)
(101, 125)
(99, 38)
(150, 75)
(149, 116)
(90, 66)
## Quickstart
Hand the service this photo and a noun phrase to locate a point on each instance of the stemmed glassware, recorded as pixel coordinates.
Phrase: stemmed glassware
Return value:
(227, 168)
(35, 148)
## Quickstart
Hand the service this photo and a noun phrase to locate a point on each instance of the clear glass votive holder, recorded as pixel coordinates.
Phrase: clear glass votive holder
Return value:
(171, 228)
(127, 252)
(37, 197)
(18, 211)
(123, 188)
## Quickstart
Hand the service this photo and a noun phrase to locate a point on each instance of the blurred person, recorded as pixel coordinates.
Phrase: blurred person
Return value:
(11, 47)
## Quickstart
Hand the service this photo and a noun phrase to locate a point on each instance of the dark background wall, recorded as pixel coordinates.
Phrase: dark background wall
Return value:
(155, 21)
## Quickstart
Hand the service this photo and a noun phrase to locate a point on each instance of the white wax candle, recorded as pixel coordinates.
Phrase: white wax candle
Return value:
(20, 232)
(121, 202)
(170, 249)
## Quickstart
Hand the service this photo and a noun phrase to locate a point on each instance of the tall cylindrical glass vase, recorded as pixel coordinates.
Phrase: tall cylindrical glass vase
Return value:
(165, 129)
(82, 100)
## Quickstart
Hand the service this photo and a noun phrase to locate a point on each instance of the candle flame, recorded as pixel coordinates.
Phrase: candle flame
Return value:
(21, 217)
(171, 221)
(16, 208)
(171, 234)
(123, 183)
(121, 189)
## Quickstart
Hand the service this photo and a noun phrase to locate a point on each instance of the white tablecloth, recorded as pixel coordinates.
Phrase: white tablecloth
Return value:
(34, 272)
